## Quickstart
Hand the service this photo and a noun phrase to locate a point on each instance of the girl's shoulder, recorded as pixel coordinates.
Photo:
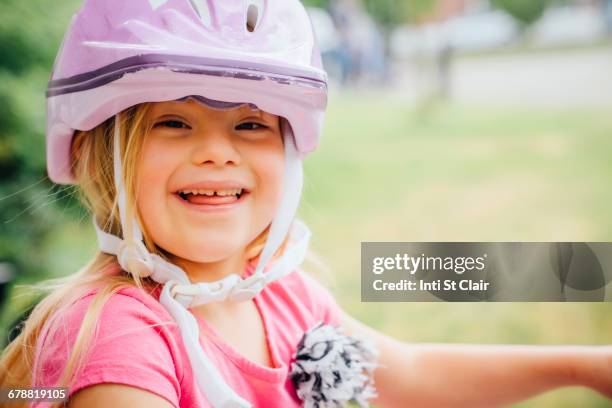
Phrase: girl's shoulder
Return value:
(128, 305)
(127, 338)
(129, 298)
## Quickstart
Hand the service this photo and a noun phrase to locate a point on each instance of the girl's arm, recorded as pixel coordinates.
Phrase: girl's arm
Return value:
(456, 375)
(116, 396)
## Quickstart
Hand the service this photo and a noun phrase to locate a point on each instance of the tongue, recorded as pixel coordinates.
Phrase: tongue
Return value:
(211, 200)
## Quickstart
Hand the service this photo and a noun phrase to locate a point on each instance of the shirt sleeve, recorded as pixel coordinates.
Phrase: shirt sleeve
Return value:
(324, 304)
(132, 345)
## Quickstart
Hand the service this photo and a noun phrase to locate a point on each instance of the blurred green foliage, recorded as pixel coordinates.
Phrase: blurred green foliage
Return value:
(30, 33)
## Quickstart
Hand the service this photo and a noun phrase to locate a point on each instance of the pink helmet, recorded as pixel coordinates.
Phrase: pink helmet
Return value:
(119, 53)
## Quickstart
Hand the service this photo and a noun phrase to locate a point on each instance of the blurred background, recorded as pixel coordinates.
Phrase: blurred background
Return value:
(449, 120)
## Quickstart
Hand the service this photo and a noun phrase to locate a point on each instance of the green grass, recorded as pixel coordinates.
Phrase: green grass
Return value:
(388, 171)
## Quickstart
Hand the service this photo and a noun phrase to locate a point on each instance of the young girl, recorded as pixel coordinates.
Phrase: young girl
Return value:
(185, 124)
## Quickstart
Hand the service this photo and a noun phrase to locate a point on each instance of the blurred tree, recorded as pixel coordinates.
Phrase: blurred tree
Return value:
(316, 3)
(525, 12)
(393, 12)
(388, 13)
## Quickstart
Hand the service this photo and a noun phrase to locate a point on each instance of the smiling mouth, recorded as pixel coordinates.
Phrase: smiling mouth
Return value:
(212, 197)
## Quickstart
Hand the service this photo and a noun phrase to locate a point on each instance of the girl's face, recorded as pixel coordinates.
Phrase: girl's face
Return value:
(209, 180)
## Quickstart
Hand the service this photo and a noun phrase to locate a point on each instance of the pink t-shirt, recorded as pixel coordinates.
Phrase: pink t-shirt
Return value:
(128, 350)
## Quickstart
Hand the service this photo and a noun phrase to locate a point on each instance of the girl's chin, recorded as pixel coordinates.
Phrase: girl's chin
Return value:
(202, 235)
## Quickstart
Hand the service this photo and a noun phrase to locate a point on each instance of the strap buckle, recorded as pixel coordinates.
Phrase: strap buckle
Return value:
(194, 294)
(231, 287)
(248, 288)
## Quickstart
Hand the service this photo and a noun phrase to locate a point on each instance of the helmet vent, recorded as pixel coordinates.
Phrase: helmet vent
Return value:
(202, 10)
(252, 16)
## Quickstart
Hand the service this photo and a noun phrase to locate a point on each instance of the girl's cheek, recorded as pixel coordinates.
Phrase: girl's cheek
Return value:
(155, 168)
(271, 170)
(158, 161)
(157, 165)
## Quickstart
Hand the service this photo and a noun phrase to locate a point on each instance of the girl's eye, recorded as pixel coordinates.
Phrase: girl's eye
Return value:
(175, 124)
(250, 126)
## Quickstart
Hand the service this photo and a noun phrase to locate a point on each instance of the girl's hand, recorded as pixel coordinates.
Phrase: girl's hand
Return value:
(595, 369)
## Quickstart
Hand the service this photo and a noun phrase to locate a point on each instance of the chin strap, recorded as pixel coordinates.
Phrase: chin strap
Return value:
(179, 293)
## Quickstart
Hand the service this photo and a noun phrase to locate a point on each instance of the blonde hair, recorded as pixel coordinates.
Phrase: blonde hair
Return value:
(92, 164)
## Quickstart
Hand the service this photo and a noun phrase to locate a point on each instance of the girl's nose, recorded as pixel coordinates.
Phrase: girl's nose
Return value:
(215, 147)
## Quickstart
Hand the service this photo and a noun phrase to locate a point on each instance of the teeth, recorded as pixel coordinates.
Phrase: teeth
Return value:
(227, 192)
(210, 193)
